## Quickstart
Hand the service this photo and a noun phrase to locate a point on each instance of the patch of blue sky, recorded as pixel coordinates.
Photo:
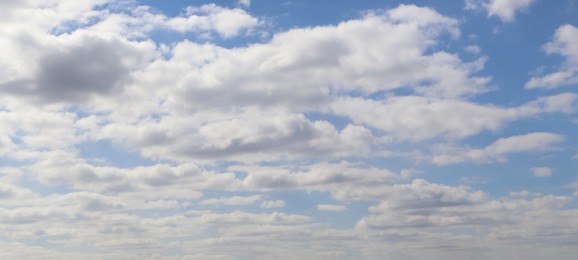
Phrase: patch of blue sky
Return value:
(8, 162)
(338, 121)
(306, 203)
(177, 7)
(106, 152)
(347, 218)
(29, 181)
(292, 14)
(54, 242)
(69, 26)
(499, 179)
(515, 50)
(300, 202)
(73, 25)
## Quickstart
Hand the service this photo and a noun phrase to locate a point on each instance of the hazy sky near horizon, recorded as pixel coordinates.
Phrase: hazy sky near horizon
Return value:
(258, 129)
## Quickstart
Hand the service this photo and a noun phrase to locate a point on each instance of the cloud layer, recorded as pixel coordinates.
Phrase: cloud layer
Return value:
(211, 134)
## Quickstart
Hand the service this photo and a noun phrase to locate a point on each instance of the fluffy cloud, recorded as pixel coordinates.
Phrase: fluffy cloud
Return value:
(51, 61)
(89, 66)
(565, 43)
(424, 205)
(305, 62)
(504, 9)
(226, 22)
(498, 150)
(240, 136)
(335, 178)
(417, 118)
(231, 152)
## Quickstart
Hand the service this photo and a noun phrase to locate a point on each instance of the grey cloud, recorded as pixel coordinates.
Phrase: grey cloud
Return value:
(32, 215)
(421, 194)
(247, 136)
(93, 66)
(134, 244)
(6, 6)
(336, 178)
(447, 206)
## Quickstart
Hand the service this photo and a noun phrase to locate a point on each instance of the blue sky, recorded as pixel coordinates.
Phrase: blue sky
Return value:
(259, 129)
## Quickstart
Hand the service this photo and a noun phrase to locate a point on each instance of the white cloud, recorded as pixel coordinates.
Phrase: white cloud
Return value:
(565, 43)
(498, 150)
(235, 200)
(58, 62)
(474, 49)
(204, 20)
(422, 194)
(299, 68)
(270, 204)
(417, 118)
(522, 143)
(245, 3)
(564, 102)
(504, 9)
(248, 218)
(331, 207)
(335, 178)
(250, 136)
(541, 171)
(310, 112)
(211, 92)
(227, 22)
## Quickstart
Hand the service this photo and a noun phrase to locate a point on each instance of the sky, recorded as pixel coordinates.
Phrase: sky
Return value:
(258, 129)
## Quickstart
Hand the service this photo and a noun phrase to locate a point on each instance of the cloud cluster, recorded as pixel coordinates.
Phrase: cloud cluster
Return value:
(119, 143)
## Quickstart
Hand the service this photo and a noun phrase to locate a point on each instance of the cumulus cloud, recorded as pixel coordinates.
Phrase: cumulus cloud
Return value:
(565, 43)
(126, 132)
(99, 53)
(250, 136)
(226, 22)
(298, 68)
(317, 177)
(417, 118)
(94, 66)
